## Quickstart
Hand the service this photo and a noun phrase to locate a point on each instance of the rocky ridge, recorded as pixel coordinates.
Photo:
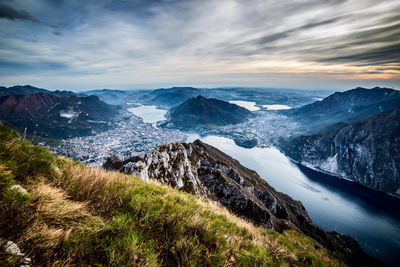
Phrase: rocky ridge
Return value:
(203, 170)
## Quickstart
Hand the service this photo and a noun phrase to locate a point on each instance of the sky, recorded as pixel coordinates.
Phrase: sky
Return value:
(304, 44)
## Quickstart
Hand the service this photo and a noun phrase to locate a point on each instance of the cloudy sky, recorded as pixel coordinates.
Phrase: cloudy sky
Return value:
(311, 44)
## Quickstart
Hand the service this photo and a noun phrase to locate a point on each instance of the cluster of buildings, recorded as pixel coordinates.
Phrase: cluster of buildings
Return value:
(133, 137)
(130, 137)
(266, 127)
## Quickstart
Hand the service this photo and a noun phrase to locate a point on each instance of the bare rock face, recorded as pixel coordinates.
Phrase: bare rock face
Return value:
(205, 171)
(367, 152)
(12, 249)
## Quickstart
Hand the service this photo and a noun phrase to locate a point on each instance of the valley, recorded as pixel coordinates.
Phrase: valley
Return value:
(144, 125)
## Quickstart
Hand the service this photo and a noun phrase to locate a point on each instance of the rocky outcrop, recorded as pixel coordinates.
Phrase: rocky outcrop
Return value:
(205, 171)
(10, 249)
(367, 152)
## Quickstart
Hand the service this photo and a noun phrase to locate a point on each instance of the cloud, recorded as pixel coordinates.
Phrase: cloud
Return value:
(285, 34)
(10, 13)
(140, 42)
(384, 55)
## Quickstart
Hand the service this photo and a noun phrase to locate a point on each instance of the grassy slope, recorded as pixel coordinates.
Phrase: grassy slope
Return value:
(72, 214)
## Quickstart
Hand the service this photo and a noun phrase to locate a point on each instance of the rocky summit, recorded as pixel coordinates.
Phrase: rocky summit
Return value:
(203, 170)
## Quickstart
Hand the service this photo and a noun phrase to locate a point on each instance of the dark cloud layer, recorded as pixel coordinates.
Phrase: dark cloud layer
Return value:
(10, 13)
(384, 55)
(285, 34)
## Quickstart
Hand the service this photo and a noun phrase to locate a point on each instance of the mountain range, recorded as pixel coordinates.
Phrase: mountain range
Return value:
(28, 89)
(46, 115)
(171, 97)
(354, 134)
(352, 105)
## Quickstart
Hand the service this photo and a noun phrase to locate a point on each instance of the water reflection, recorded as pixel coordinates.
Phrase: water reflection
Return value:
(149, 113)
(246, 104)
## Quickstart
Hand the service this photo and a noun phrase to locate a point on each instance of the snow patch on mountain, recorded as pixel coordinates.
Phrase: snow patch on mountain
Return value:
(330, 164)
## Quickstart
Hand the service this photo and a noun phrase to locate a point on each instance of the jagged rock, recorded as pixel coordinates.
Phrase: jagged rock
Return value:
(205, 171)
(113, 163)
(11, 248)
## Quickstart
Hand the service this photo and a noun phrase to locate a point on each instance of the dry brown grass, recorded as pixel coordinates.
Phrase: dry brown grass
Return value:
(54, 219)
(86, 184)
(55, 209)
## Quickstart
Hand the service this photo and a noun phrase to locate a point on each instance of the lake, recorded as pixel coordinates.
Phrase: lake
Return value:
(332, 203)
(246, 104)
(149, 113)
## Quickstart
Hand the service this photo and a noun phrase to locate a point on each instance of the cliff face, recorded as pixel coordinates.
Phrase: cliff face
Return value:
(367, 152)
(205, 171)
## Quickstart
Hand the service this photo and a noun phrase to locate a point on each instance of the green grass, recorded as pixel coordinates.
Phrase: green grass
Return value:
(75, 215)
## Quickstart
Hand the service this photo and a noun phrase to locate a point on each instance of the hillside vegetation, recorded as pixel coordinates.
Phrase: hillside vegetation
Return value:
(61, 213)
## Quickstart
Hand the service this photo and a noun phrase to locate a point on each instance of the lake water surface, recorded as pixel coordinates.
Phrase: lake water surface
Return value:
(246, 104)
(149, 113)
(334, 204)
